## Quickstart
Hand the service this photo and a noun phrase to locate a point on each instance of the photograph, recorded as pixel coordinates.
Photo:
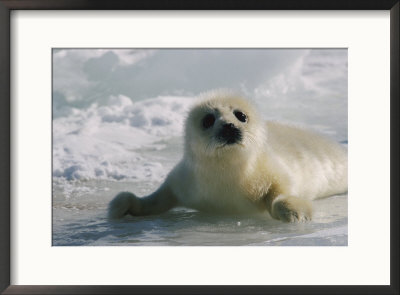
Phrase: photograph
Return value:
(199, 146)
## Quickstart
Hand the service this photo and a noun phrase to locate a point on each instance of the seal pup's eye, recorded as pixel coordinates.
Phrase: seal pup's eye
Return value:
(208, 121)
(240, 116)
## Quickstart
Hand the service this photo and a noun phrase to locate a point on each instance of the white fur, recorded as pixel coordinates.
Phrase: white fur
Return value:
(275, 167)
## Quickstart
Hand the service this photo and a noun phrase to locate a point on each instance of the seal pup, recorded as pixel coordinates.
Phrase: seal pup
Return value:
(234, 162)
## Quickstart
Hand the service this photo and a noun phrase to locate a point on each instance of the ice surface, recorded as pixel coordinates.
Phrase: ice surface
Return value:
(80, 220)
(118, 122)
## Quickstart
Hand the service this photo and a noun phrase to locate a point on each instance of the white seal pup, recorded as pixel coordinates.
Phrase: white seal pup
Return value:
(234, 162)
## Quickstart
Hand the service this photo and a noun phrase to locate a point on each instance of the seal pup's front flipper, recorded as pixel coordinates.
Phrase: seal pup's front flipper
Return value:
(127, 203)
(291, 209)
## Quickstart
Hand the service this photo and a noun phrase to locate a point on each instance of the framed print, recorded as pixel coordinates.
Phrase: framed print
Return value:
(137, 157)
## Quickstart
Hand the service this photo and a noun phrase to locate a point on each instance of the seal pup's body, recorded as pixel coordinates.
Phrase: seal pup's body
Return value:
(236, 163)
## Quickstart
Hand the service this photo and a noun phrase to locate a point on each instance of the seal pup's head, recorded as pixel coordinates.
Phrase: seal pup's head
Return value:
(223, 125)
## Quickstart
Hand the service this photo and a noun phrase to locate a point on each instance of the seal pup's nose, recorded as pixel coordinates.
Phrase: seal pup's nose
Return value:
(230, 134)
(229, 126)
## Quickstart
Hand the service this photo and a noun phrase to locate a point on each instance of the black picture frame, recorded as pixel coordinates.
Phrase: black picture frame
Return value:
(7, 6)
